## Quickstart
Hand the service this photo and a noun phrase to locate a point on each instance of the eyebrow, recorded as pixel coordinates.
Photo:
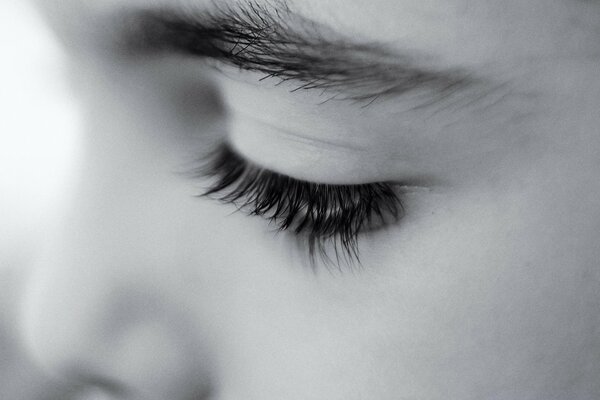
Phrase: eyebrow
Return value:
(277, 42)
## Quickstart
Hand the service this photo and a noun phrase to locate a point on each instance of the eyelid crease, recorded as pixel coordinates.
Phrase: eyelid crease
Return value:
(317, 142)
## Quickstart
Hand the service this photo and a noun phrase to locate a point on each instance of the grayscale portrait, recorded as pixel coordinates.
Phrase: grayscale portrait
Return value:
(318, 200)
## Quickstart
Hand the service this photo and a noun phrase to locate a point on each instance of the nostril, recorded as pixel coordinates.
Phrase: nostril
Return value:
(96, 387)
(100, 388)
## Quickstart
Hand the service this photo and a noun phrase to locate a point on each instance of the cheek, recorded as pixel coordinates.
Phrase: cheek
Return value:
(490, 282)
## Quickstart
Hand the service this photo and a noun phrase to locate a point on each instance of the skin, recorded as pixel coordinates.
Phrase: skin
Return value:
(487, 289)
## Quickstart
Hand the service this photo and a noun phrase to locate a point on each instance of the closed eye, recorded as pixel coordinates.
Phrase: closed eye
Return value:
(323, 215)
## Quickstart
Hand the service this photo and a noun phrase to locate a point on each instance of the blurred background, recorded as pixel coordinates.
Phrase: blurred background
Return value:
(38, 134)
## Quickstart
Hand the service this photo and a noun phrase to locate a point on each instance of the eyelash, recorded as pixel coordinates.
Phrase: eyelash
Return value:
(320, 214)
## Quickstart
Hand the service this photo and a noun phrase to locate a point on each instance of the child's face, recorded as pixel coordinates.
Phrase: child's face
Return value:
(488, 288)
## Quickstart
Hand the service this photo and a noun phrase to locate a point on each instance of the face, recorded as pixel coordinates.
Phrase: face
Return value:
(481, 116)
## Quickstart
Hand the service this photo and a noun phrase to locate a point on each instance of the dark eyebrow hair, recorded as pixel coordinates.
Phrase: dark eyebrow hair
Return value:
(277, 42)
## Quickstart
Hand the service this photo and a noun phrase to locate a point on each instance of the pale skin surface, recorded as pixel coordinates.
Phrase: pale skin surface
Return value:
(487, 289)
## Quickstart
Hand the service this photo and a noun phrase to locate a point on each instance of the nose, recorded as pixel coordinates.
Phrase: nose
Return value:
(107, 305)
(106, 328)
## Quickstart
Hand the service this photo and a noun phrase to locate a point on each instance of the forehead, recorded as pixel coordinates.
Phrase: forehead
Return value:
(458, 31)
